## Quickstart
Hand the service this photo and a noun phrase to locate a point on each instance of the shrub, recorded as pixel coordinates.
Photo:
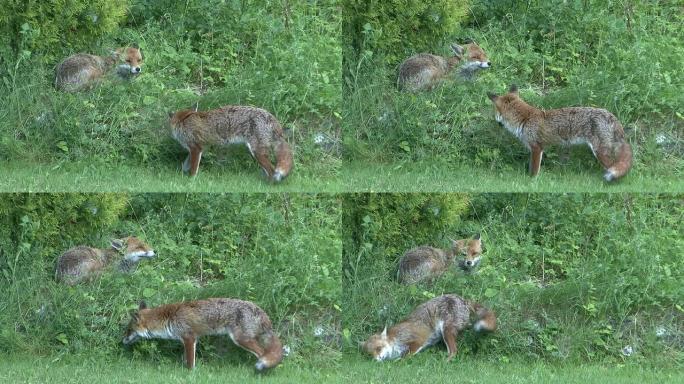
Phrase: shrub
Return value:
(47, 27)
(395, 28)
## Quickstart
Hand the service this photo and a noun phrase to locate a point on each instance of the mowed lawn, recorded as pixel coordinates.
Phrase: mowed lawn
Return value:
(29, 369)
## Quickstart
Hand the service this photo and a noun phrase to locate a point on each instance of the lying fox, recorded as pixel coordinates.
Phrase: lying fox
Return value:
(425, 262)
(244, 322)
(82, 263)
(79, 71)
(424, 71)
(255, 127)
(441, 318)
(537, 128)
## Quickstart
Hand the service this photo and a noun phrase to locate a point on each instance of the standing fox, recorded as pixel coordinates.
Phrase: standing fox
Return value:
(247, 325)
(537, 128)
(424, 71)
(438, 319)
(425, 262)
(78, 71)
(255, 127)
(82, 263)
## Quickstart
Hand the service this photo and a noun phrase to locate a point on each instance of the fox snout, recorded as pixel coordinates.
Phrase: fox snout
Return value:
(485, 64)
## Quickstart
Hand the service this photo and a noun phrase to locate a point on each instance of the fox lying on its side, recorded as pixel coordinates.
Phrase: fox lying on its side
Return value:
(537, 128)
(79, 71)
(425, 262)
(82, 263)
(247, 325)
(441, 318)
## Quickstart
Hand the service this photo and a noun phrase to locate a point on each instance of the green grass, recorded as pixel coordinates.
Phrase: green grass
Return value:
(438, 177)
(91, 177)
(25, 369)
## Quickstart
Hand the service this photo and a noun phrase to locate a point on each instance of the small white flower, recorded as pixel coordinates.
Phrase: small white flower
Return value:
(627, 351)
(287, 350)
(661, 331)
(661, 139)
(318, 331)
(319, 138)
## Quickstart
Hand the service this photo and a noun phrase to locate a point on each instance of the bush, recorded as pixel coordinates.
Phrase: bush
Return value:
(397, 28)
(48, 27)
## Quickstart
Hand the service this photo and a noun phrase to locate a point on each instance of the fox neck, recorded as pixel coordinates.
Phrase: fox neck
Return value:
(452, 62)
(127, 266)
(517, 118)
(111, 254)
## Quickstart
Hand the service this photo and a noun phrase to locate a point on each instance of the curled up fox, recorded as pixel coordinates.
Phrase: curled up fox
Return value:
(439, 319)
(426, 263)
(80, 71)
(244, 322)
(537, 128)
(259, 130)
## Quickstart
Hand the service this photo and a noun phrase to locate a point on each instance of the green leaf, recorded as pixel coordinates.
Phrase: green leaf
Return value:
(148, 292)
(490, 292)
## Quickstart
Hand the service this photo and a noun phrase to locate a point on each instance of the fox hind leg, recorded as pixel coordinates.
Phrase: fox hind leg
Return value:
(195, 157)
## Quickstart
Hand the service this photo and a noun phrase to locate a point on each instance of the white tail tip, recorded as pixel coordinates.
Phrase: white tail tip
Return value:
(609, 175)
(260, 366)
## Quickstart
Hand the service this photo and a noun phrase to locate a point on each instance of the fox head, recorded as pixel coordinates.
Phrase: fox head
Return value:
(485, 319)
(131, 59)
(469, 251)
(137, 327)
(381, 348)
(133, 248)
(473, 56)
(509, 109)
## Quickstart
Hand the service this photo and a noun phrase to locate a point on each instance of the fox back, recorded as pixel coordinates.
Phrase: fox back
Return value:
(537, 129)
(82, 262)
(244, 322)
(425, 262)
(423, 71)
(441, 318)
(78, 71)
(259, 130)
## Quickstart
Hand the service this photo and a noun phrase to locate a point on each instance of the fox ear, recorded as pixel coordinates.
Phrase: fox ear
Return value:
(171, 114)
(142, 305)
(492, 96)
(117, 244)
(458, 50)
(476, 237)
(135, 45)
(384, 332)
(513, 88)
(468, 41)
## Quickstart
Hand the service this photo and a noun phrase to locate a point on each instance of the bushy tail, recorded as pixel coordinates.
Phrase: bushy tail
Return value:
(273, 355)
(283, 160)
(623, 163)
(486, 318)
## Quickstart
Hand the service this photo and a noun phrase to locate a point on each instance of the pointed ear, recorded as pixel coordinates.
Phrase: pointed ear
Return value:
(135, 45)
(468, 41)
(142, 57)
(492, 96)
(458, 50)
(142, 305)
(171, 114)
(384, 332)
(116, 52)
(476, 237)
(513, 88)
(118, 244)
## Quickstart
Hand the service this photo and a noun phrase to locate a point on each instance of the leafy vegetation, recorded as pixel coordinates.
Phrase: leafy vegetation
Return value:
(613, 55)
(280, 251)
(282, 56)
(573, 278)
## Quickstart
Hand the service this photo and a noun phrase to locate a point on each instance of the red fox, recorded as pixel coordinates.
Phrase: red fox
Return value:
(537, 128)
(423, 71)
(82, 263)
(441, 318)
(255, 127)
(425, 262)
(244, 322)
(79, 71)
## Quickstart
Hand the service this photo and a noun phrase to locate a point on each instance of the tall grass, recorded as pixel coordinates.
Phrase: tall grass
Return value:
(573, 278)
